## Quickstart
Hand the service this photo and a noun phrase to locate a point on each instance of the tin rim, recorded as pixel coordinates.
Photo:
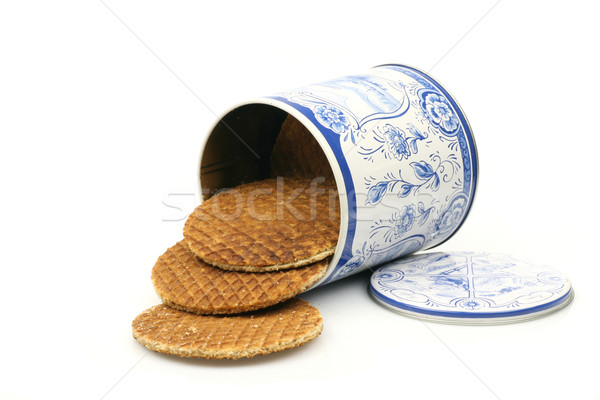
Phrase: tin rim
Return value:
(470, 319)
(331, 159)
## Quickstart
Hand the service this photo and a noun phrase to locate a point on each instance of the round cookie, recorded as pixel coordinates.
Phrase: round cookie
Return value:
(266, 225)
(297, 153)
(284, 326)
(185, 282)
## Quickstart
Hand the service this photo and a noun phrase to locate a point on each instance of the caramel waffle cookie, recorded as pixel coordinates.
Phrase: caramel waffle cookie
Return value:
(267, 225)
(297, 153)
(166, 330)
(185, 282)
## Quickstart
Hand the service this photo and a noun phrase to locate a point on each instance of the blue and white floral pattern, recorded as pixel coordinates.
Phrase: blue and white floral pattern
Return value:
(469, 285)
(393, 142)
(451, 216)
(399, 223)
(396, 142)
(404, 153)
(377, 253)
(439, 112)
(427, 177)
(332, 118)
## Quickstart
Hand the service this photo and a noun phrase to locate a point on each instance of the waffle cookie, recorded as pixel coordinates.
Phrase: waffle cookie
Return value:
(284, 326)
(185, 282)
(266, 225)
(297, 153)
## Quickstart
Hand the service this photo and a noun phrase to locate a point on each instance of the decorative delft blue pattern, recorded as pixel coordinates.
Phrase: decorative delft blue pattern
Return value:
(469, 285)
(332, 118)
(406, 155)
(393, 228)
(393, 142)
(439, 112)
(428, 178)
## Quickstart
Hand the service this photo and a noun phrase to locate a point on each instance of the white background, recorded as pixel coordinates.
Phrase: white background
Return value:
(103, 109)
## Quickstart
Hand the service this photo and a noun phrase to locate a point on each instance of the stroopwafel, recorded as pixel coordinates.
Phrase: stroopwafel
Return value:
(283, 326)
(185, 282)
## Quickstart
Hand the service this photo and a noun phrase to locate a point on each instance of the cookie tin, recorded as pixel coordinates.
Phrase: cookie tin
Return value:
(400, 148)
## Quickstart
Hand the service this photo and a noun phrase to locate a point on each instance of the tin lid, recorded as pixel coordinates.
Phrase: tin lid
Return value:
(470, 288)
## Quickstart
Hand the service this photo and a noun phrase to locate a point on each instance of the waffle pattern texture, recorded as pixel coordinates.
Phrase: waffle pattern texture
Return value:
(266, 225)
(286, 325)
(185, 282)
(297, 153)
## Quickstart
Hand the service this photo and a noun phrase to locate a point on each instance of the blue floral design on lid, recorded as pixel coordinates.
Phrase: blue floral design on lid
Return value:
(470, 287)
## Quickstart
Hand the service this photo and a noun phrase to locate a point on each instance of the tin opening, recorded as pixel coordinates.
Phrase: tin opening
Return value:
(239, 149)
(255, 142)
